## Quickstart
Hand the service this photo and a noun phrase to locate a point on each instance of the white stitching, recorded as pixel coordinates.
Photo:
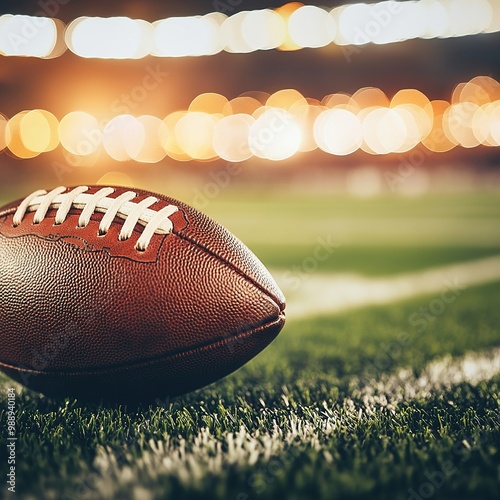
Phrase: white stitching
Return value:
(132, 213)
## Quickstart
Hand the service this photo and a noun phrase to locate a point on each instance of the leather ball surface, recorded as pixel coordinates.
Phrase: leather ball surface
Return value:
(116, 294)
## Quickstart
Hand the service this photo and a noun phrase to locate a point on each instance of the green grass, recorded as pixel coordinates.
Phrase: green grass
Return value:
(370, 260)
(332, 409)
(380, 236)
(298, 408)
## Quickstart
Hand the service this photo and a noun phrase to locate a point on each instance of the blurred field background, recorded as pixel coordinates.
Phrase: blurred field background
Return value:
(385, 381)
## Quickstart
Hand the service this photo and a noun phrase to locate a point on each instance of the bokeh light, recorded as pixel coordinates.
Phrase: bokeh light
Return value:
(230, 139)
(263, 29)
(123, 137)
(285, 99)
(286, 11)
(194, 133)
(466, 17)
(151, 149)
(169, 139)
(338, 131)
(311, 26)
(3, 126)
(270, 126)
(305, 116)
(437, 141)
(292, 26)
(494, 123)
(368, 97)
(274, 135)
(27, 36)
(14, 139)
(110, 38)
(210, 102)
(241, 105)
(38, 130)
(457, 124)
(384, 131)
(187, 36)
(232, 34)
(80, 133)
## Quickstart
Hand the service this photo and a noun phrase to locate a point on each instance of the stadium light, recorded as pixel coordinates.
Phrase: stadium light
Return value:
(291, 27)
(272, 127)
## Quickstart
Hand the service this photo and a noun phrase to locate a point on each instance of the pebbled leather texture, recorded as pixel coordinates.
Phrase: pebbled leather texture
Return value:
(89, 316)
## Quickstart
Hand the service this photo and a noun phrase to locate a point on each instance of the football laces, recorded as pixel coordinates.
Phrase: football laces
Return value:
(153, 221)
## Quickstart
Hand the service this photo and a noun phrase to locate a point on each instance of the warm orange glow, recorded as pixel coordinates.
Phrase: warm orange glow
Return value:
(384, 131)
(480, 90)
(494, 123)
(194, 134)
(210, 102)
(123, 137)
(230, 139)
(3, 126)
(368, 97)
(273, 127)
(116, 179)
(285, 11)
(274, 135)
(457, 124)
(285, 99)
(437, 141)
(60, 46)
(151, 149)
(305, 115)
(80, 133)
(169, 139)
(258, 95)
(13, 137)
(241, 105)
(338, 131)
(334, 100)
(39, 131)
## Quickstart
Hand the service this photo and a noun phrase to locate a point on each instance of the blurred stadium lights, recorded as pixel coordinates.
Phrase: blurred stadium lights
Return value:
(276, 127)
(291, 27)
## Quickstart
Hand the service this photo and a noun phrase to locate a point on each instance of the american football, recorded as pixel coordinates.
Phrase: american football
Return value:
(111, 294)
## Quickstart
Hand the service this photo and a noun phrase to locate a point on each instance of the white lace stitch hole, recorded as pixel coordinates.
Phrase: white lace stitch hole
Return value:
(101, 233)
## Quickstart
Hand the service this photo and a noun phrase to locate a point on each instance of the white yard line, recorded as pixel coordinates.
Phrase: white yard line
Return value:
(320, 294)
(192, 459)
(437, 376)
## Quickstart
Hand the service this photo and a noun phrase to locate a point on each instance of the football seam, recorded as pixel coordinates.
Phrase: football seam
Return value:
(234, 268)
(145, 362)
(281, 305)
